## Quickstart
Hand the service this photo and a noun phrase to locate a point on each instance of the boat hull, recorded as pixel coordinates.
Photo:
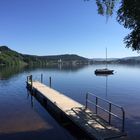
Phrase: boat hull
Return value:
(103, 71)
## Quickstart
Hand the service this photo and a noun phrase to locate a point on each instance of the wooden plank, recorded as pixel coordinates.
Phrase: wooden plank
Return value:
(84, 118)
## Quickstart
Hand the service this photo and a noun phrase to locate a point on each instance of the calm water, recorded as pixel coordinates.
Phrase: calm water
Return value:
(22, 117)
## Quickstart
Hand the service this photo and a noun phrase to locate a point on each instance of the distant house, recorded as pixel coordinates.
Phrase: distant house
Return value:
(59, 61)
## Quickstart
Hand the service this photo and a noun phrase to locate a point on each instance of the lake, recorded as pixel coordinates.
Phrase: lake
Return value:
(23, 117)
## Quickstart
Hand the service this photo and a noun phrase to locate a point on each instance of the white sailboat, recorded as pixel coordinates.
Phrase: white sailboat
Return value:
(105, 70)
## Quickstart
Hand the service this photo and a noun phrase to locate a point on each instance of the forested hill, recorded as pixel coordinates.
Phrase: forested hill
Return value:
(11, 57)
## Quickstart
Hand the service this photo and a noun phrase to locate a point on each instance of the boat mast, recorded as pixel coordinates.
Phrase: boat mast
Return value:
(106, 57)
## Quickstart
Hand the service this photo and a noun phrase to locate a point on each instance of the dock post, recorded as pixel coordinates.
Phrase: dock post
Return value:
(50, 82)
(27, 80)
(41, 78)
(31, 78)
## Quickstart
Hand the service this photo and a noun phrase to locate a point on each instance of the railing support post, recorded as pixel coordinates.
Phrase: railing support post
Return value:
(86, 100)
(96, 108)
(109, 119)
(123, 121)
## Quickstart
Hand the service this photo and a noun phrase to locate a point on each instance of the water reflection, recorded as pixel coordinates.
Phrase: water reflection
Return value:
(9, 72)
(106, 82)
(74, 81)
(59, 67)
(30, 97)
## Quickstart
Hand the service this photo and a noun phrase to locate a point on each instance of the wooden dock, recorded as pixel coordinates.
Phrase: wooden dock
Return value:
(79, 114)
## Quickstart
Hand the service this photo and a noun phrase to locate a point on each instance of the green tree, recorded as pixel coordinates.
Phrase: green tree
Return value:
(128, 15)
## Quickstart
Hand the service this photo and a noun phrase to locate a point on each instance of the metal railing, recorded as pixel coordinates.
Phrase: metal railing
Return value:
(109, 110)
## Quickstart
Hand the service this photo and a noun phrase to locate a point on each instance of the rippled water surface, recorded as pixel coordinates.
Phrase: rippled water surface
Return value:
(22, 116)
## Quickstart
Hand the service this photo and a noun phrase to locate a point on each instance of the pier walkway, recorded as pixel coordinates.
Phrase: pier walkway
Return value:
(80, 115)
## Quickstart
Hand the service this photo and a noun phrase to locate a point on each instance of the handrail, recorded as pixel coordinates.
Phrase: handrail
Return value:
(109, 111)
(104, 99)
(105, 110)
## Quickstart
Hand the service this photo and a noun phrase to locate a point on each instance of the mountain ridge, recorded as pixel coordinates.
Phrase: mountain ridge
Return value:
(11, 57)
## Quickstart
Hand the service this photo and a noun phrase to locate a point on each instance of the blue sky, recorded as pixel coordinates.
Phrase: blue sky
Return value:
(51, 27)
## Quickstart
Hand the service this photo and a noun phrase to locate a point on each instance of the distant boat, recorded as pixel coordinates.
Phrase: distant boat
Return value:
(105, 70)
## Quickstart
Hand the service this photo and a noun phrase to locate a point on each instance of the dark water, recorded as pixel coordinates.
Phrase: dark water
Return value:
(22, 116)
